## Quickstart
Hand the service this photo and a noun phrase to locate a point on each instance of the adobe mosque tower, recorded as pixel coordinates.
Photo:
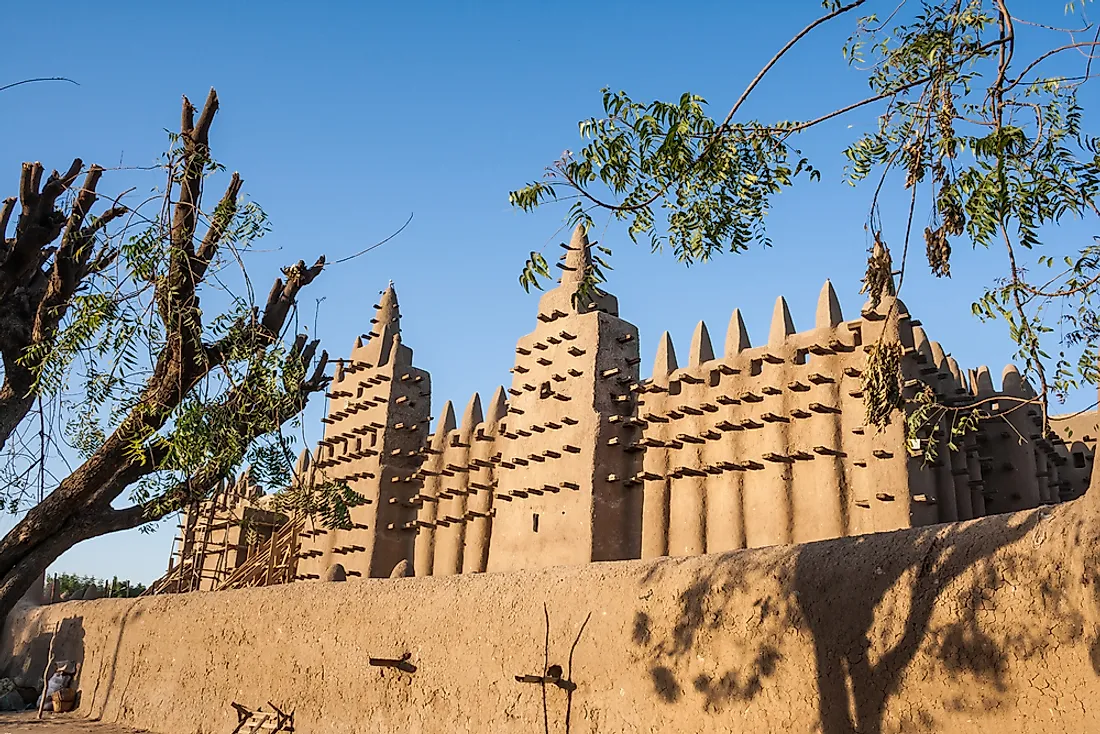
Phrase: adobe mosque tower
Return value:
(374, 433)
(568, 446)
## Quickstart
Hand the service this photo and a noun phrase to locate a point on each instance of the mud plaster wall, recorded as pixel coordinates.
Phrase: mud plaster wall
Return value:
(990, 625)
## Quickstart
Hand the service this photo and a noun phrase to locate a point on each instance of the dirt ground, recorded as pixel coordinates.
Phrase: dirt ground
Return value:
(26, 722)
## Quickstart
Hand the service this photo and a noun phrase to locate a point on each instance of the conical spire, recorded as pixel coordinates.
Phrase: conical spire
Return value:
(828, 308)
(301, 466)
(498, 406)
(244, 482)
(956, 372)
(577, 258)
(938, 357)
(385, 330)
(983, 382)
(923, 347)
(1012, 383)
(444, 425)
(472, 415)
(574, 263)
(737, 336)
(388, 312)
(665, 363)
(701, 349)
(338, 371)
(782, 324)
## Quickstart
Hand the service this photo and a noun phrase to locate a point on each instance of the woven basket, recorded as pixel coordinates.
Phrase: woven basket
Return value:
(64, 699)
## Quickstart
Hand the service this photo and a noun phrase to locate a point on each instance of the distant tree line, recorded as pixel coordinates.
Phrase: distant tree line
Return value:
(74, 585)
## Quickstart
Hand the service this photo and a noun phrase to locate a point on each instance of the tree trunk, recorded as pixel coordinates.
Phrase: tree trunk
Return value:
(13, 409)
(46, 546)
(16, 395)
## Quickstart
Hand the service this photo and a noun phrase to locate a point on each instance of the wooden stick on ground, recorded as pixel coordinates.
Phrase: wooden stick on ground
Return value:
(49, 666)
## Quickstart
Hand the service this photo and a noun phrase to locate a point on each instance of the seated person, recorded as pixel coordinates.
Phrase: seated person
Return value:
(62, 678)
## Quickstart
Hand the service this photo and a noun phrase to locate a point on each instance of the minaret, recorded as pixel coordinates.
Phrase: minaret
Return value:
(566, 490)
(375, 433)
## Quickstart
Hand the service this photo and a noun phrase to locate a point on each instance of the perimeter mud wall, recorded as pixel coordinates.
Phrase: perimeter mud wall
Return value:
(992, 625)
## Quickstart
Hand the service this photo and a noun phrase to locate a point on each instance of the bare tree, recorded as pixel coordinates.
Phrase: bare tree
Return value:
(171, 399)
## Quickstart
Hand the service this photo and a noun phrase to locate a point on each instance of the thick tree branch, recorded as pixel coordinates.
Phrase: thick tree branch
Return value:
(284, 295)
(219, 225)
(6, 209)
(38, 225)
(32, 301)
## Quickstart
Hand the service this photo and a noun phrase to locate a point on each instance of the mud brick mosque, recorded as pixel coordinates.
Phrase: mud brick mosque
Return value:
(581, 459)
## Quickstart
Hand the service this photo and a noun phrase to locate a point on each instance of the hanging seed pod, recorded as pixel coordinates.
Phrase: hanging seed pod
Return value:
(878, 281)
(882, 382)
(914, 165)
(938, 250)
(954, 220)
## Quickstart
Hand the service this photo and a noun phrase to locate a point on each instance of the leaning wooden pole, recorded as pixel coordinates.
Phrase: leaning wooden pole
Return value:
(49, 666)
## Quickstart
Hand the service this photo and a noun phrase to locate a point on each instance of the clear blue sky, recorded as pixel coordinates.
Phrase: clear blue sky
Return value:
(345, 117)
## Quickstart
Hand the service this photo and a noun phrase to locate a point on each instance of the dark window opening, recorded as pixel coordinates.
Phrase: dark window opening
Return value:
(756, 367)
(545, 390)
(534, 522)
(1079, 459)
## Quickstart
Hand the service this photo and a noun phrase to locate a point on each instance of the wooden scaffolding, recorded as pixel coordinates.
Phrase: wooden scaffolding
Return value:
(223, 535)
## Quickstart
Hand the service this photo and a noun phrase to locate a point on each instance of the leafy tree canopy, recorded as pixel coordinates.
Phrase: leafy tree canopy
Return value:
(977, 110)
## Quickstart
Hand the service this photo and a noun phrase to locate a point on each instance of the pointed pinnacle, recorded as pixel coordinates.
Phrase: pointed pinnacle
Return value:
(498, 406)
(737, 336)
(782, 324)
(956, 372)
(577, 257)
(938, 357)
(446, 422)
(665, 362)
(387, 316)
(923, 347)
(302, 465)
(387, 308)
(701, 350)
(1012, 382)
(472, 415)
(828, 308)
(984, 382)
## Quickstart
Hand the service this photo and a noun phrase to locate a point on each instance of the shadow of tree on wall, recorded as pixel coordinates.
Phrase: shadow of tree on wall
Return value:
(28, 667)
(98, 673)
(971, 600)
